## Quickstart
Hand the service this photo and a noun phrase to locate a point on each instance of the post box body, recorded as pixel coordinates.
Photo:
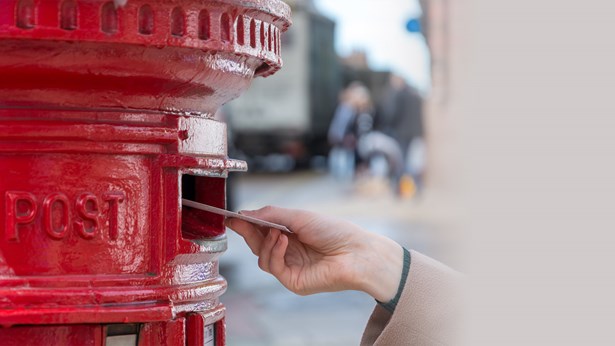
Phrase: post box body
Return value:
(106, 122)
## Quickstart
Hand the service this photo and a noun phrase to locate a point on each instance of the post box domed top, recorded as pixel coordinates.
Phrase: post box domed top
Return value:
(187, 56)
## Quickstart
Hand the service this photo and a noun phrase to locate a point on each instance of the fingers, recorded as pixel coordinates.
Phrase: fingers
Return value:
(292, 218)
(270, 249)
(266, 247)
(249, 232)
(277, 266)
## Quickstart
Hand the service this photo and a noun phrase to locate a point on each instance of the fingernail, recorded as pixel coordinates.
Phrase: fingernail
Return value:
(228, 223)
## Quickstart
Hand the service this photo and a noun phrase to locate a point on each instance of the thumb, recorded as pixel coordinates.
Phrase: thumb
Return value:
(291, 218)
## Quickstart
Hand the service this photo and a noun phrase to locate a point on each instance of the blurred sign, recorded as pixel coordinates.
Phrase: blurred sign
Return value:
(209, 336)
(414, 26)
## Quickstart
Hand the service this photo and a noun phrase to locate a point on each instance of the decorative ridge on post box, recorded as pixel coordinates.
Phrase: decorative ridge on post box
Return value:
(106, 123)
(179, 57)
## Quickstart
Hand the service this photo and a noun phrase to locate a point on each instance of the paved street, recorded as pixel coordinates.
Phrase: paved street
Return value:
(262, 312)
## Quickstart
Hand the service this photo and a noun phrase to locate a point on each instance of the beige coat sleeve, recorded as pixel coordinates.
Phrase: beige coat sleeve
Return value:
(427, 311)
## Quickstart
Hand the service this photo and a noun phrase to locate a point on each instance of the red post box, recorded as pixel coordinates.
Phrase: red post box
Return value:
(106, 122)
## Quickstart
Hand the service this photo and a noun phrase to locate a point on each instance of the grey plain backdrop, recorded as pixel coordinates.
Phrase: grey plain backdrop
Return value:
(533, 96)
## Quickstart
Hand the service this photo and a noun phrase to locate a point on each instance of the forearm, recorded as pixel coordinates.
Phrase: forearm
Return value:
(428, 309)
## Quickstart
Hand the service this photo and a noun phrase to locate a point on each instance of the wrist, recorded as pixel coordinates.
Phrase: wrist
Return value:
(382, 269)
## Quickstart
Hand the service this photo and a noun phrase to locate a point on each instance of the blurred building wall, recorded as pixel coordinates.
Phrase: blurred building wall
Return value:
(526, 88)
(442, 133)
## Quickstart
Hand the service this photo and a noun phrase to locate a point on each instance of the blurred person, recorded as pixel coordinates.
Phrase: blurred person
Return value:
(352, 119)
(383, 155)
(417, 297)
(400, 116)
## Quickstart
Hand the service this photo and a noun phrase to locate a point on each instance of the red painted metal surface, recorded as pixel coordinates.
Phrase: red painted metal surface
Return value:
(106, 122)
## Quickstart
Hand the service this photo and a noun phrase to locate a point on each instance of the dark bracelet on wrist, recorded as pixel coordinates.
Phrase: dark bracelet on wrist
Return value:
(392, 304)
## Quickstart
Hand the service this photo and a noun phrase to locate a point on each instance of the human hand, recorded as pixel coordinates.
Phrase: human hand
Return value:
(323, 254)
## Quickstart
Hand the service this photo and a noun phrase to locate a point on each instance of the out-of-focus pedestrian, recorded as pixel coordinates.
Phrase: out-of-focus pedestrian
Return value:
(383, 155)
(351, 120)
(400, 116)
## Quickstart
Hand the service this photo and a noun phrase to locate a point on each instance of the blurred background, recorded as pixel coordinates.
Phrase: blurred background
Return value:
(355, 125)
